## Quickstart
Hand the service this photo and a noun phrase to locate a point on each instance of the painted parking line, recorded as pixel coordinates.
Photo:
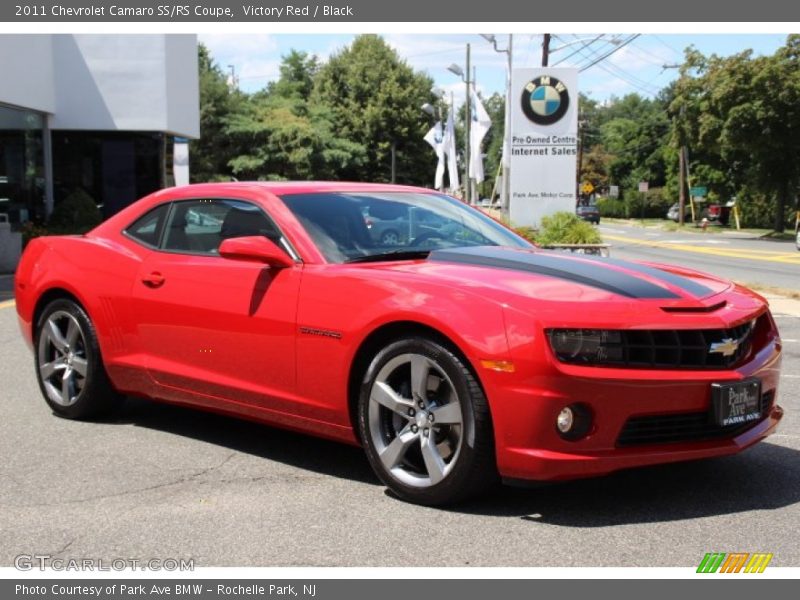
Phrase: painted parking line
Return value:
(7, 304)
(760, 255)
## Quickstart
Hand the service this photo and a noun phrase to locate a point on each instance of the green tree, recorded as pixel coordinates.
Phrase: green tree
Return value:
(281, 135)
(739, 115)
(210, 154)
(297, 73)
(375, 99)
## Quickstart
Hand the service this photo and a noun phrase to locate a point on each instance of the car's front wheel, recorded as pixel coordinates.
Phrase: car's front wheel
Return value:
(69, 367)
(425, 424)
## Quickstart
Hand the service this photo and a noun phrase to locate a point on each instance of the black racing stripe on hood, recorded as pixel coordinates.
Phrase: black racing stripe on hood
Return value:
(688, 285)
(592, 273)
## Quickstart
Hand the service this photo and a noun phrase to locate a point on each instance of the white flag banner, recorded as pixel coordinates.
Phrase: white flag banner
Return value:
(449, 145)
(180, 161)
(478, 129)
(435, 138)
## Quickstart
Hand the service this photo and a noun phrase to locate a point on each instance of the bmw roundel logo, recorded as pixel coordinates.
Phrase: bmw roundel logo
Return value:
(545, 100)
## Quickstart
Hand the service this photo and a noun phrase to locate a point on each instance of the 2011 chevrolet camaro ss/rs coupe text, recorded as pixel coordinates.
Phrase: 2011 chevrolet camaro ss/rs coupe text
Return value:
(454, 352)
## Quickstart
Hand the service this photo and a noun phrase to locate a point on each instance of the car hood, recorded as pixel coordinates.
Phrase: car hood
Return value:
(562, 284)
(622, 278)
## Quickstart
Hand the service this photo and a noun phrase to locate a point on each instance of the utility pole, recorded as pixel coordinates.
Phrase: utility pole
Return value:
(682, 184)
(507, 132)
(394, 161)
(468, 125)
(546, 50)
(581, 128)
(683, 166)
(233, 82)
(505, 164)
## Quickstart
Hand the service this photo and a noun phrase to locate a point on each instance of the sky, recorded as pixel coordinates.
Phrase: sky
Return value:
(634, 67)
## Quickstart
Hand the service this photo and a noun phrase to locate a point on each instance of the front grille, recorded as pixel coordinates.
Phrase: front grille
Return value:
(678, 348)
(683, 427)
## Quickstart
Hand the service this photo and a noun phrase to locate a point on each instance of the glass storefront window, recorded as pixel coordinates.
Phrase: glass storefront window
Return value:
(22, 183)
(114, 167)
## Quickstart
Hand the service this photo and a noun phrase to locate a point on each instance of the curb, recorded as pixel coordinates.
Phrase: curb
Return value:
(781, 305)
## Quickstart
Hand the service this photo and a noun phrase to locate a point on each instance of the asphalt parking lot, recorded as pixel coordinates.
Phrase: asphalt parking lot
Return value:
(163, 482)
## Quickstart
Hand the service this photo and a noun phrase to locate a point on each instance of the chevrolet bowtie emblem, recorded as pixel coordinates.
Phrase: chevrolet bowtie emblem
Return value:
(727, 347)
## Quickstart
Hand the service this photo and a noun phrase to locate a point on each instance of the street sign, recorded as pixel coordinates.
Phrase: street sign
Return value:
(644, 186)
(699, 191)
(587, 187)
(613, 191)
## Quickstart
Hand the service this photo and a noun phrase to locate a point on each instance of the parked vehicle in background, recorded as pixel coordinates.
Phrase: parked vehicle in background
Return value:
(673, 214)
(391, 225)
(589, 213)
(797, 236)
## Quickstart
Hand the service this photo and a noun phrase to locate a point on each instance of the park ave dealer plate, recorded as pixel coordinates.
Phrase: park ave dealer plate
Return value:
(736, 403)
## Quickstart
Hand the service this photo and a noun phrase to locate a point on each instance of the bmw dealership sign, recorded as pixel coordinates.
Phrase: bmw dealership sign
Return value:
(544, 143)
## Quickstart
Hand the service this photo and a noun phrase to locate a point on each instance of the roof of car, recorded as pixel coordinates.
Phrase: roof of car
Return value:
(308, 187)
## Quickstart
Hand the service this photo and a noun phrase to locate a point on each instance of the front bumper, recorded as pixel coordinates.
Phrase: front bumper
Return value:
(530, 448)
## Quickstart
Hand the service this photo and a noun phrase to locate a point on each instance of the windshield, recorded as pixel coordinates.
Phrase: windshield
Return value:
(354, 226)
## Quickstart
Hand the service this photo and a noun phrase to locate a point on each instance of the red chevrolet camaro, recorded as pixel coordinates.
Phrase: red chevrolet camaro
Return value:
(455, 353)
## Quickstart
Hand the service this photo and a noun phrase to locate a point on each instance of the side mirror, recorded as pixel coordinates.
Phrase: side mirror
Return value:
(255, 248)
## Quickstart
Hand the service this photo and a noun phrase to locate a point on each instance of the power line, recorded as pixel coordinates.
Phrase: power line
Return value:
(574, 52)
(590, 53)
(639, 84)
(619, 73)
(619, 47)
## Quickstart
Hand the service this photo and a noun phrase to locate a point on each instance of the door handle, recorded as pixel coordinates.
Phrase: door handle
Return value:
(153, 280)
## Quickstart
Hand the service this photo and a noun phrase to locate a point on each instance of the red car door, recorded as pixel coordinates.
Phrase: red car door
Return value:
(217, 331)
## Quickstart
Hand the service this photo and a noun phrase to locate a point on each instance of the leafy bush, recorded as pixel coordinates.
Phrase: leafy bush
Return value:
(656, 203)
(32, 230)
(529, 233)
(612, 207)
(77, 213)
(566, 228)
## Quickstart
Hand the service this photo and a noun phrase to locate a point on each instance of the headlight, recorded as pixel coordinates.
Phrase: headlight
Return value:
(586, 346)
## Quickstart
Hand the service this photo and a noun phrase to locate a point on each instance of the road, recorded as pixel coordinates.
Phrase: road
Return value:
(159, 481)
(739, 256)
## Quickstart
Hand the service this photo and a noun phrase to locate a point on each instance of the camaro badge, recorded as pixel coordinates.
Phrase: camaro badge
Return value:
(727, 347)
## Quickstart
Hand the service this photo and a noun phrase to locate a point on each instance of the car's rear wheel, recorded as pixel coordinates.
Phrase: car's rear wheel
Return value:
(425, 424)
(69, 367)
(390, 238)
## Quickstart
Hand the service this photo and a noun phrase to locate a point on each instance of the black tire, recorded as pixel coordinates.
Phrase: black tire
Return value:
(390, 238)
(88, 396)
(472, 468)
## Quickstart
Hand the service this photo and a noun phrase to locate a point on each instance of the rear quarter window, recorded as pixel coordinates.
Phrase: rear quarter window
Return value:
(147, 228)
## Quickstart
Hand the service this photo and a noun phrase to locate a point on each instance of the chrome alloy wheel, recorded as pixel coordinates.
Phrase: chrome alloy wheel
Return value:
(62, 360)
(415, 420)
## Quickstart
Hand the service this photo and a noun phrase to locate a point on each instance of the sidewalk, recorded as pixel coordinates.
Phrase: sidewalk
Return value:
(781, 305)
(6, 287)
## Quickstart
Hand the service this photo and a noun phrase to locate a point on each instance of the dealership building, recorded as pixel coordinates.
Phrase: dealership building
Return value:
(96, 113)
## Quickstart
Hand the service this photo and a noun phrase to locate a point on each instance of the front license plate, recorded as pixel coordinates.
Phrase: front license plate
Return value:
(736, 403)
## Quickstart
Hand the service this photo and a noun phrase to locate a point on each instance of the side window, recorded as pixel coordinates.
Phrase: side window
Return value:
(200, 226)
(147, 228)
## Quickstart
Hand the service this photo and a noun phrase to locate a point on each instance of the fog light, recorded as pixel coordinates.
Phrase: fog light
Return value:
(565, 420)
(574, 421)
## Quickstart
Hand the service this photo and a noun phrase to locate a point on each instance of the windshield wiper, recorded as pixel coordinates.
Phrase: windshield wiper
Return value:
(392, 255)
